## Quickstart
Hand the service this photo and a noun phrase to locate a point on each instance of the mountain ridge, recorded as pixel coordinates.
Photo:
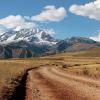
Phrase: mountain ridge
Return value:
(36, 42)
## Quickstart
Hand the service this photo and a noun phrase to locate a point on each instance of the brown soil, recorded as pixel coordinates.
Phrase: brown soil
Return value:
(49, 83)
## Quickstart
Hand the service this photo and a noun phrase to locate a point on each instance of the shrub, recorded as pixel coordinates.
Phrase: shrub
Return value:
(85, 71)
(66, 65)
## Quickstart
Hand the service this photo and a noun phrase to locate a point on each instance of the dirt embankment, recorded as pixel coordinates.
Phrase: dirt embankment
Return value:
(16, 90)
(49, 83)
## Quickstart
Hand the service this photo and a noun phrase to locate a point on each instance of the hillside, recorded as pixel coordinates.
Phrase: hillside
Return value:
(28, 43)
(60, 73)
(95, 52)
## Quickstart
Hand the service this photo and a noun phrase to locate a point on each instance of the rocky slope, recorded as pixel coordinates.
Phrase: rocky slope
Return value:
(36, 42)
(76, 44)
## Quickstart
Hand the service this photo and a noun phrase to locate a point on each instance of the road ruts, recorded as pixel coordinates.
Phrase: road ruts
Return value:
(49, 83)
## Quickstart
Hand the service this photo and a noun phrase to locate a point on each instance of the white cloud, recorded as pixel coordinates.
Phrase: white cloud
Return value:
(49, 31)
(16, 22)
(91, 10)
(96, 38)
(50, 13)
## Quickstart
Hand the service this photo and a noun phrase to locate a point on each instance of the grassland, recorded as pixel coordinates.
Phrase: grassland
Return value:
(83, 63)
(11, 72)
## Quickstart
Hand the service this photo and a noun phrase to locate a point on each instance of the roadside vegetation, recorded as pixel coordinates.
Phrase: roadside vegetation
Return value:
(11, 74)
(13, 70)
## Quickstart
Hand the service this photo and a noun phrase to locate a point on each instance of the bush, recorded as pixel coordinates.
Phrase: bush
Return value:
(85, 71)
(66, 65)
(77, 64)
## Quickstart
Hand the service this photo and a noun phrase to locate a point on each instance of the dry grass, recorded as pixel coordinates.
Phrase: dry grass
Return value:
(12, 69)
(70, 62)
(82, 63)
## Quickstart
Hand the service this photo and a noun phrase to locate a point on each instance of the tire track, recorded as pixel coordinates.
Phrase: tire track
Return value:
(85, 80)
(48, 83)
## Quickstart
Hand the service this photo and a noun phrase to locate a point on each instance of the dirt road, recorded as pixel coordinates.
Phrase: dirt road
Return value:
(51, 83)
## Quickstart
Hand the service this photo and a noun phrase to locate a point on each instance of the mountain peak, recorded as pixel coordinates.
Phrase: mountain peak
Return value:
(34, 35)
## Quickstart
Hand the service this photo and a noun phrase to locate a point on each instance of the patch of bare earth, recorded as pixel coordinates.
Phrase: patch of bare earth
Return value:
(48, 83)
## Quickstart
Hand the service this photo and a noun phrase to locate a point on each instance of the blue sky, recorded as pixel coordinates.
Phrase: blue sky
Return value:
(73, 24)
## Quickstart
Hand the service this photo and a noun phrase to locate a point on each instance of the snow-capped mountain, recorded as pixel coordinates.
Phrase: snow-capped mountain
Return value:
(34, 35)
(36, 42)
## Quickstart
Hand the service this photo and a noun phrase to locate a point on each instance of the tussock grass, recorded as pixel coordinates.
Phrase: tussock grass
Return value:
(11, 71)
(83, 63)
